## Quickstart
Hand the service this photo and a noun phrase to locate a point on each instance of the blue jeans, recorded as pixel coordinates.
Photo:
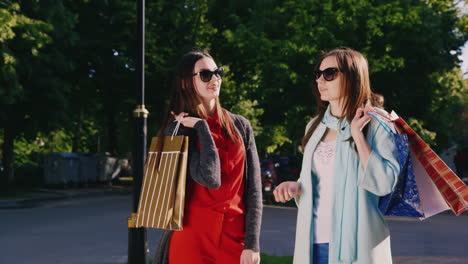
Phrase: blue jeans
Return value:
(320, 254)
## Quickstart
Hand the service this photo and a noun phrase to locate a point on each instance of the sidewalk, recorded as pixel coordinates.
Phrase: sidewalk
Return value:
(278, 227)
(430, 260)
(413, 241)
(39, 196)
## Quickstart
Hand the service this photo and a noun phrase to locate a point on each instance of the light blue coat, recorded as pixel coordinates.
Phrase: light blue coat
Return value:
(377, 179)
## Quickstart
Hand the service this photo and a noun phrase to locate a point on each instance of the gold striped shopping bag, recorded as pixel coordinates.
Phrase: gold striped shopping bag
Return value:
(163, 192)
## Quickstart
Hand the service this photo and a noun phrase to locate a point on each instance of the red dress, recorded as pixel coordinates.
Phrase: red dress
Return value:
(214, 218)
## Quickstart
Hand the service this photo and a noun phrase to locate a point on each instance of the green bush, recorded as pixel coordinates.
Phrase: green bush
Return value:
(265, 259)
(29, 176)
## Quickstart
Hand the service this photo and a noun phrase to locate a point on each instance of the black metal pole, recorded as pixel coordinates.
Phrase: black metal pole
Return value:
(137, 244)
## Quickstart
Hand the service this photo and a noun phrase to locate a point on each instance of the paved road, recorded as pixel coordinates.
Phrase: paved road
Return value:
(94, 231)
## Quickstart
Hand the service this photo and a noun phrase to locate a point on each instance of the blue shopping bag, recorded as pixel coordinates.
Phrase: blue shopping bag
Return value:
(404, 200)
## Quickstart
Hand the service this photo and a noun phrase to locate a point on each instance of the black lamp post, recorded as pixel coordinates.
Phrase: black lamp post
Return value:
(137, 245)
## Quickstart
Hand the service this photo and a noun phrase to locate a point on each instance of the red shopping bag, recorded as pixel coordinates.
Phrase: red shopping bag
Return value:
(428, 164)
(450, 186)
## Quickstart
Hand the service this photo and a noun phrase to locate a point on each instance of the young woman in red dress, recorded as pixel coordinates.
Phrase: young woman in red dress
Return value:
(223, 203)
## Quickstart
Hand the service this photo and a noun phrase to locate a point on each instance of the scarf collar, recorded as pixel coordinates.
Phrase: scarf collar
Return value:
(343, 244)
(333, 122)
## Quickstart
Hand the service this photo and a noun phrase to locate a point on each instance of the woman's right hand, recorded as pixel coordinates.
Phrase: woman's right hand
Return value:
(286, 191)
(185, 120)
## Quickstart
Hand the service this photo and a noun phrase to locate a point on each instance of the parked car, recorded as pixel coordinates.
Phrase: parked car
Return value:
(286, 168)
(276, 169)
(269, 181)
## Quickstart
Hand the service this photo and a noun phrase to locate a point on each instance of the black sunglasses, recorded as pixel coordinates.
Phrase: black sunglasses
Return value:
(329, 74)
(206, 75)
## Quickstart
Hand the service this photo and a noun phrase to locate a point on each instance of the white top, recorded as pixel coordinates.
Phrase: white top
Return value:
(324, 159)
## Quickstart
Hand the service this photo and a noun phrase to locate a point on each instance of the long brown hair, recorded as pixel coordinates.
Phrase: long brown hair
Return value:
(355, 87)
(186, 99)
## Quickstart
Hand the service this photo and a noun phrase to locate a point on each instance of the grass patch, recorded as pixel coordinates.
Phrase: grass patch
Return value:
(125, 180)
(15, 196)
(264, 259)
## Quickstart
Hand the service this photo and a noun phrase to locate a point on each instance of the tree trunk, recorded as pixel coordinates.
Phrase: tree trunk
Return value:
(112, 133)
(7, 159)
(77, 137)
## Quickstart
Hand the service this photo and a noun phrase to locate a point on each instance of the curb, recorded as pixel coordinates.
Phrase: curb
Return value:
(46, 195)
(429, 260)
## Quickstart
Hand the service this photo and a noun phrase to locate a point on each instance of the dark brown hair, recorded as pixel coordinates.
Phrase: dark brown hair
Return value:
(355, 87)
(186, 99)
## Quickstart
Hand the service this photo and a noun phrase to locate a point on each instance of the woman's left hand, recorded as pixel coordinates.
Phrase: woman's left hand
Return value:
(186, 120)
(360, 120)
(249, 256)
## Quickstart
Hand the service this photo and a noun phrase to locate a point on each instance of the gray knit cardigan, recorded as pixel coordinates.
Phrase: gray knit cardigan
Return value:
(204, 168)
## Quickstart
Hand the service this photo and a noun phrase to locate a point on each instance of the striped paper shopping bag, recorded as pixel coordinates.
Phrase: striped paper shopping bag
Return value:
(162, 196)
(450, 186)
(439, 189)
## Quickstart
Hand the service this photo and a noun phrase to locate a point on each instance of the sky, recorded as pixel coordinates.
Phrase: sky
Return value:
(464, 58)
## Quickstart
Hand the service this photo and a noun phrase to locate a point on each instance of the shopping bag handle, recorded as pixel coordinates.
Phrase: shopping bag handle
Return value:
(378, 115)
(381, 115)
(176, 129)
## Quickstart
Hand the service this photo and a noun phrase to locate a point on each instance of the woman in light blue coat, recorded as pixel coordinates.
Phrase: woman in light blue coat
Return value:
(349, 162)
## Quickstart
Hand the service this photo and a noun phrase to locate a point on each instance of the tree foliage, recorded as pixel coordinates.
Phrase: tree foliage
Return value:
(69, 66)
(34, 89)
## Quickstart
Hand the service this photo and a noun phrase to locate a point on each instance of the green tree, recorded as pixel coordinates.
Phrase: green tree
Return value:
(447, 118)
(271, 47)
(33, 88)
(70, 64)
(104, 77)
